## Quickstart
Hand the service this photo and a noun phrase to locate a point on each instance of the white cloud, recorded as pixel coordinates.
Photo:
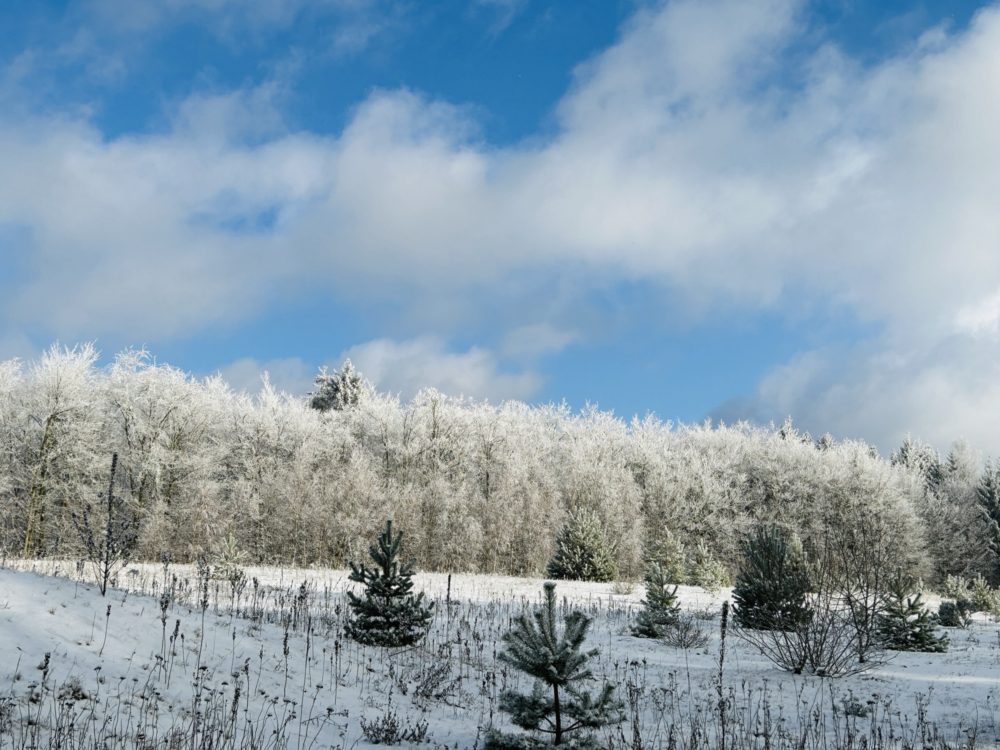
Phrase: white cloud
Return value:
(402, 367)
(537, 339)
(980, 317)
(405, 367)
(291, 375)
(503, 12)
(680, 157)
(943, 391)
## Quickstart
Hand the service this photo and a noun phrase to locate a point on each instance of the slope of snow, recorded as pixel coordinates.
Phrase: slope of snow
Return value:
(280, 674)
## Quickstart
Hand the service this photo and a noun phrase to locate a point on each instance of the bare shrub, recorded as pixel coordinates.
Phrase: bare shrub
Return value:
(685, 633)
(109, 541)
(388, 730)
(832, 641)
(862, 563)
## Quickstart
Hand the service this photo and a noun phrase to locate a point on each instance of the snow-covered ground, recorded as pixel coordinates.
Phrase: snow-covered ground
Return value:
(129, 669)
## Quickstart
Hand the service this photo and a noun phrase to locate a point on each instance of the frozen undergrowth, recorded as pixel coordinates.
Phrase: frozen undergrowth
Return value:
(265, 665)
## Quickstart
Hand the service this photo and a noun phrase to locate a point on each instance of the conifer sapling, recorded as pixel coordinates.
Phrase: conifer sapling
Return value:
(905, 624)
(773, 583)
(660, 608)
(556, 706)
(388, 614)
(582, 552)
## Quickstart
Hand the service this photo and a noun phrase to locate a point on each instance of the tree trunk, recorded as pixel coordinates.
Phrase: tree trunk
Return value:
(555, 706)
(34, 530)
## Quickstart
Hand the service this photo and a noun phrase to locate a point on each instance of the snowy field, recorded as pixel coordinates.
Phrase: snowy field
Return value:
(267, 666)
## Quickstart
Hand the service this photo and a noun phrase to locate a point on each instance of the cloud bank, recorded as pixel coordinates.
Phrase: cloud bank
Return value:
(686, 155)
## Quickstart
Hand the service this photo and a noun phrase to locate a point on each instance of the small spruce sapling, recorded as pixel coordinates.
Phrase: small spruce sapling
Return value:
(905, 624)
(956, 614)
(556, 706)
(582, 551)
(388, 614)
(773, 584)
(660, 609)
(706, 570)
(669, 553)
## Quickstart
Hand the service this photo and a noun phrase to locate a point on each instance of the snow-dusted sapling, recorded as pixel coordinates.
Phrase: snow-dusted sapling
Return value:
(388, 613)
(906, 625)
(773, 583)
(582, 551)
(556, 707)
(660, 607)
(956, 614)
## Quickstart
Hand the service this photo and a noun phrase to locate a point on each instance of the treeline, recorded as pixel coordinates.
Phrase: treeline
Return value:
(475, 486)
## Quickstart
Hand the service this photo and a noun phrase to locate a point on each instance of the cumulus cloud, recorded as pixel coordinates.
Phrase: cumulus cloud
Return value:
(686, 154)
(405, 367)
(942, 391)
(400, 367)
(291, 375)
(537, 339)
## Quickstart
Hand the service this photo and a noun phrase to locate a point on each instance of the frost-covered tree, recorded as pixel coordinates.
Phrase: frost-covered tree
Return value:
(921, 459)
(338, 390)
(582, 551)
(58, 433)
(957, 533)
(988, 497)
(554, 657)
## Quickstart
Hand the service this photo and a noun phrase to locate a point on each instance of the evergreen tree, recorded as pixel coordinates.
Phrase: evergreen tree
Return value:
(988, 496)
(922, 459)
(660, 608)
(388, 614)
(669, 554)
(956, 614)
(340, 390)
(582, 551)
(905, 624)
(773, 583)
(556, 706)
(705, 570)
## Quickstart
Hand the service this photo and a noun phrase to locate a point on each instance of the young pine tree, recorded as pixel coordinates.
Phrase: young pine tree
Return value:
(660, 608)
(582, 551)
(556, 706)
(955, 614)
(669, 553)
(388, 614)
(906, 625)
(773, 583)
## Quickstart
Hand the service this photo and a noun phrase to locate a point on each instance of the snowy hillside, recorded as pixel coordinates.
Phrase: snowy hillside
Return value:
(267, 666)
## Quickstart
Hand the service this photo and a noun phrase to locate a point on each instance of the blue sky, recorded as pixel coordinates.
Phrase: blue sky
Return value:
(711, 209)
